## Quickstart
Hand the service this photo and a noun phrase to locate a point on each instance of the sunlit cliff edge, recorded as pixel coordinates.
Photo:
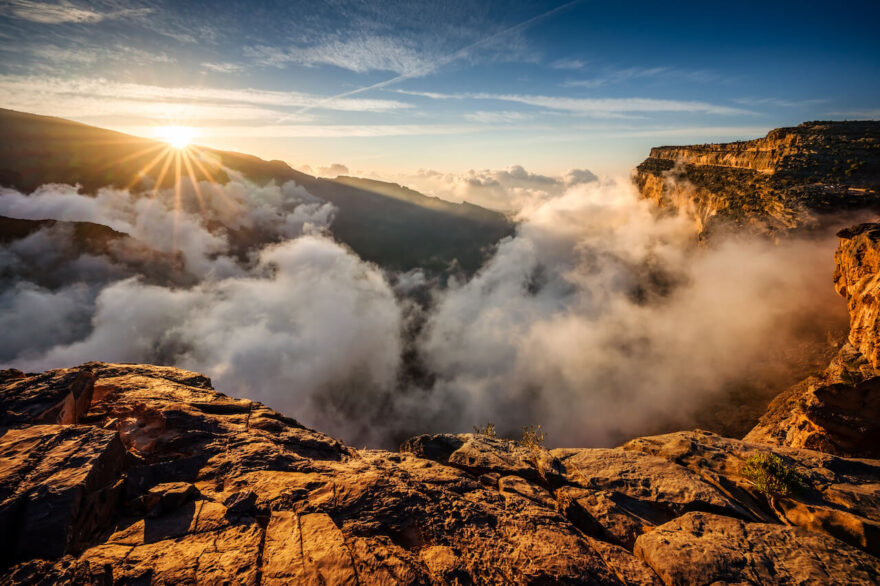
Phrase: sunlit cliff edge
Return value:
(114, 473)
(792, 178)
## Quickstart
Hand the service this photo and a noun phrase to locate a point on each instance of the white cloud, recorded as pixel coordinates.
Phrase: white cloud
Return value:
(338, 130)
(222, 67)
(569, 64)
(91, 54)
(360, 55)
(497, 117)
(593, 106)
(63, 12)
(596, 107)
(778, 102)
(508, 190)
(334, 170)
(614, 76)
(90, 97)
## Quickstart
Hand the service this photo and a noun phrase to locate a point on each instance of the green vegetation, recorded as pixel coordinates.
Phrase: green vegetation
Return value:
(771, 475)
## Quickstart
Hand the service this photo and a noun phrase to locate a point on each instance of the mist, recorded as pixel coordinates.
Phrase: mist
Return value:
(600, 319)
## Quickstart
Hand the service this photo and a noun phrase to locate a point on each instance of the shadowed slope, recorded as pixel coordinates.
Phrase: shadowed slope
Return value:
(397, 233)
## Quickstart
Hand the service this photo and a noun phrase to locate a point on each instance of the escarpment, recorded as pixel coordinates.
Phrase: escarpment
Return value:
(790, 179)
(838, 411)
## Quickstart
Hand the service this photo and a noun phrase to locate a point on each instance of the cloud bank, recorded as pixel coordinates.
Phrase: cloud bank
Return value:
(599, 319)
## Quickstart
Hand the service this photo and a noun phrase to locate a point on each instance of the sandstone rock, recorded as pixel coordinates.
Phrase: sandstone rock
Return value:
(701, 548)
(481, 454)
(627, 493)
(840, 496)
(306, 549)
(163, 480)
(58, 396)
(784, 181)
(58, 485)
(839, 411)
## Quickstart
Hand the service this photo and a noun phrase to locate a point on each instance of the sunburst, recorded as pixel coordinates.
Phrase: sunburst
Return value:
(168, 161)
(179, 137)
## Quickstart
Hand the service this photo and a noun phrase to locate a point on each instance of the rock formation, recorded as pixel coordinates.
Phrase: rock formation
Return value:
(786, 180)
(116, 473)
(839, 411)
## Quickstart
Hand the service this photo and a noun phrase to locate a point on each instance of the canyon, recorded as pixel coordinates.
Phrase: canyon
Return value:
(794, 178)
(135, 473)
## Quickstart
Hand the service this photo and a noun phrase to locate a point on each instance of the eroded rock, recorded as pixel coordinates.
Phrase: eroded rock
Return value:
(701, 548)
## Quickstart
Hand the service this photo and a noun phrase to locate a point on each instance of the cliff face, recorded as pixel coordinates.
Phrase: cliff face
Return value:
(141, 474)
(783, 181)
(839, 411)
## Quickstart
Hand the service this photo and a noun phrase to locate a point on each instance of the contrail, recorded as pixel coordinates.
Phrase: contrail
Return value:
(440, 62)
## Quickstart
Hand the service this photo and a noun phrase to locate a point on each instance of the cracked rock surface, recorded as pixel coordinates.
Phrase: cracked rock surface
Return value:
(129, 474)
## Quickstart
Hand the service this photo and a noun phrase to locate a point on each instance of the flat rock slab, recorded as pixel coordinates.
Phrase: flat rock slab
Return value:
(701, 548)
(56, 487)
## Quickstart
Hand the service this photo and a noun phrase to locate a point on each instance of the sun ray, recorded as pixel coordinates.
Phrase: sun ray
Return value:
(162, 173)
(148, 167)
(194, 180)
(177, 206)
(134, 155)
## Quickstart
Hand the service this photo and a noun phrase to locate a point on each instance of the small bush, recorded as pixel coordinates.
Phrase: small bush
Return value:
(487, 430)
(771, 475)
(532, 436)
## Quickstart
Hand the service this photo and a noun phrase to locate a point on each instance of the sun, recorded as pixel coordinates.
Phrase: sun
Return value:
(177, 136)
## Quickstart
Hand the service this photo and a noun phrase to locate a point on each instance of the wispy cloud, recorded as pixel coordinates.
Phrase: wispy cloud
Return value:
(462, 53)
(496, 117)
(600, 107)
(53, 55)
(572, 64)
(324, 130)
(96, 96)
(778, 102)
(63, 12)
(614, 76)
(222, 67)
(360, 55)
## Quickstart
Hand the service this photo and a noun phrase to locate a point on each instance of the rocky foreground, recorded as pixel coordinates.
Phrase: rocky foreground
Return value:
(116, 473)
(785, 181)
(113, 473)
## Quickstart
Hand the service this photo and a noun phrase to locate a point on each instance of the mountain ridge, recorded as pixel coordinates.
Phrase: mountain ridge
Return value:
(419, 232)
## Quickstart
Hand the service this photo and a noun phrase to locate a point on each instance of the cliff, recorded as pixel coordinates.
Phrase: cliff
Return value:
(839, 410)
(787, 180)
(126, 474)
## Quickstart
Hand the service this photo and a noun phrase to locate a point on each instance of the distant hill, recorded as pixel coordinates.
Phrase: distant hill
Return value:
(385, 223)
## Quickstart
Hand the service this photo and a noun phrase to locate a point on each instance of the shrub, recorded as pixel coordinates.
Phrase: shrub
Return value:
(771, 475)
(487, 430)
(532, 436)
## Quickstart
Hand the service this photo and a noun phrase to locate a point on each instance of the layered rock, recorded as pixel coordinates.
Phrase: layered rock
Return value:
(784, 181)
(839, 411)
(155, 477)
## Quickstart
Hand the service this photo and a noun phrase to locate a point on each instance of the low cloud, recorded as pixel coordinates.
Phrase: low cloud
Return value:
(599, 319)
(602, 320)
(334, 170)
(509, 190)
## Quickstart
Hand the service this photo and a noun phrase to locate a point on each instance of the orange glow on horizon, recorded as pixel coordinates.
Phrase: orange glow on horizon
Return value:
(179, 137)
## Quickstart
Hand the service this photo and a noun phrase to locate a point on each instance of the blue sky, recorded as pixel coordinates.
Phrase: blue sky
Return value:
(388, 88)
